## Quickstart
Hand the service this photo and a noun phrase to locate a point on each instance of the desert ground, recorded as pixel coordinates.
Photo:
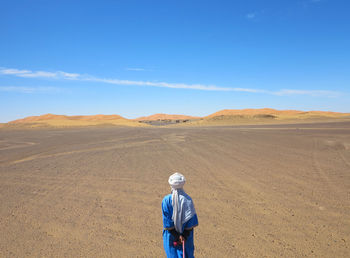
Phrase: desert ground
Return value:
(259, 191)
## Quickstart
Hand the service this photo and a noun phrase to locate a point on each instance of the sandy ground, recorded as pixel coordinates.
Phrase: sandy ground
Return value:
(266, 191)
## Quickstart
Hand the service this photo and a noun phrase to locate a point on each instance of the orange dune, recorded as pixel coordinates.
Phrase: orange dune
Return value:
(226, 116)
(96, 117)
(165, 117)
(59, 121)
(262, 111)
(270, 111)
(31, 119)
(46, 117)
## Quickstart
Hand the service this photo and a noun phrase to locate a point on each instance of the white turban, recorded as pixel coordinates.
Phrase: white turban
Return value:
(183, 208)
(176, 181)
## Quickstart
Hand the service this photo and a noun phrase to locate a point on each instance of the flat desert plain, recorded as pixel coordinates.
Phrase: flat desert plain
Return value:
(259, 191)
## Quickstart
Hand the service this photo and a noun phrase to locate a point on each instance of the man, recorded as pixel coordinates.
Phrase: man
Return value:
(179, 219)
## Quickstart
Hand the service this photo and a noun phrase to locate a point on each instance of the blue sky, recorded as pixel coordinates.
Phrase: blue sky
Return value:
(136, 58)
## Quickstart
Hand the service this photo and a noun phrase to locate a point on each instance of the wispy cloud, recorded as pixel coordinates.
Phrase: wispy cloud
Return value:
(14, 71)
(38, 74)
(313, 93)
(159, 84)
(250, 16)
(28, 90)
(135, 69)
(78, 77)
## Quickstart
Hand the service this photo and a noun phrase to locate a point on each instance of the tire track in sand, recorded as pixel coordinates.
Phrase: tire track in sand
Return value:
(15, 145)
(347, 163)
(40, 156)
(321, 173)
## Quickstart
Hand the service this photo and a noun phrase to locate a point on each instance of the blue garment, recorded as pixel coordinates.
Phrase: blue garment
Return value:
(168, 239)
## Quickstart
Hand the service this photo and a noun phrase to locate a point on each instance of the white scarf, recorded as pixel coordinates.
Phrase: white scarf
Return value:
(183, 208)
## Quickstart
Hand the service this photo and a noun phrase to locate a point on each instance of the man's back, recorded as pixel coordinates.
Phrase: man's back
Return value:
(185, 220)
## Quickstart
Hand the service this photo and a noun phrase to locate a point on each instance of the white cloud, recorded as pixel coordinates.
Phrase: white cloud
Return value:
(250, 15)
(38, 74)
(249, 90)
(78, 77)
(14, 71)
(135, 69)
(159, 84)
(314, 93)
(69, 75)
(29, 89)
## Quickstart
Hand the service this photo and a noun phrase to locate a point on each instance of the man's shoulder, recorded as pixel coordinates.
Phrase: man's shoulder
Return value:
(167, 198)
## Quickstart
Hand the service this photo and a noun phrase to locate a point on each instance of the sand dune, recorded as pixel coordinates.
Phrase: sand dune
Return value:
(276, 113)
(51, 120)
(223, 117)
(47, 117)
(262, 111)
(165, 117)
(269, 116)
(96, 117)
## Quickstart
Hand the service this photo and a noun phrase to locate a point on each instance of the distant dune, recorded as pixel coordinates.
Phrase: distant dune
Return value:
(51, 120)
(223, 117)
(274, 112)
(63, 117)
(165, 117)
(269, 116)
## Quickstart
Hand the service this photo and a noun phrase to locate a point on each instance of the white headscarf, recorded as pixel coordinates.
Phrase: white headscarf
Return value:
(183, 208)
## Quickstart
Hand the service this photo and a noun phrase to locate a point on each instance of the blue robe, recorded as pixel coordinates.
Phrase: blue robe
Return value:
(171, 250)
